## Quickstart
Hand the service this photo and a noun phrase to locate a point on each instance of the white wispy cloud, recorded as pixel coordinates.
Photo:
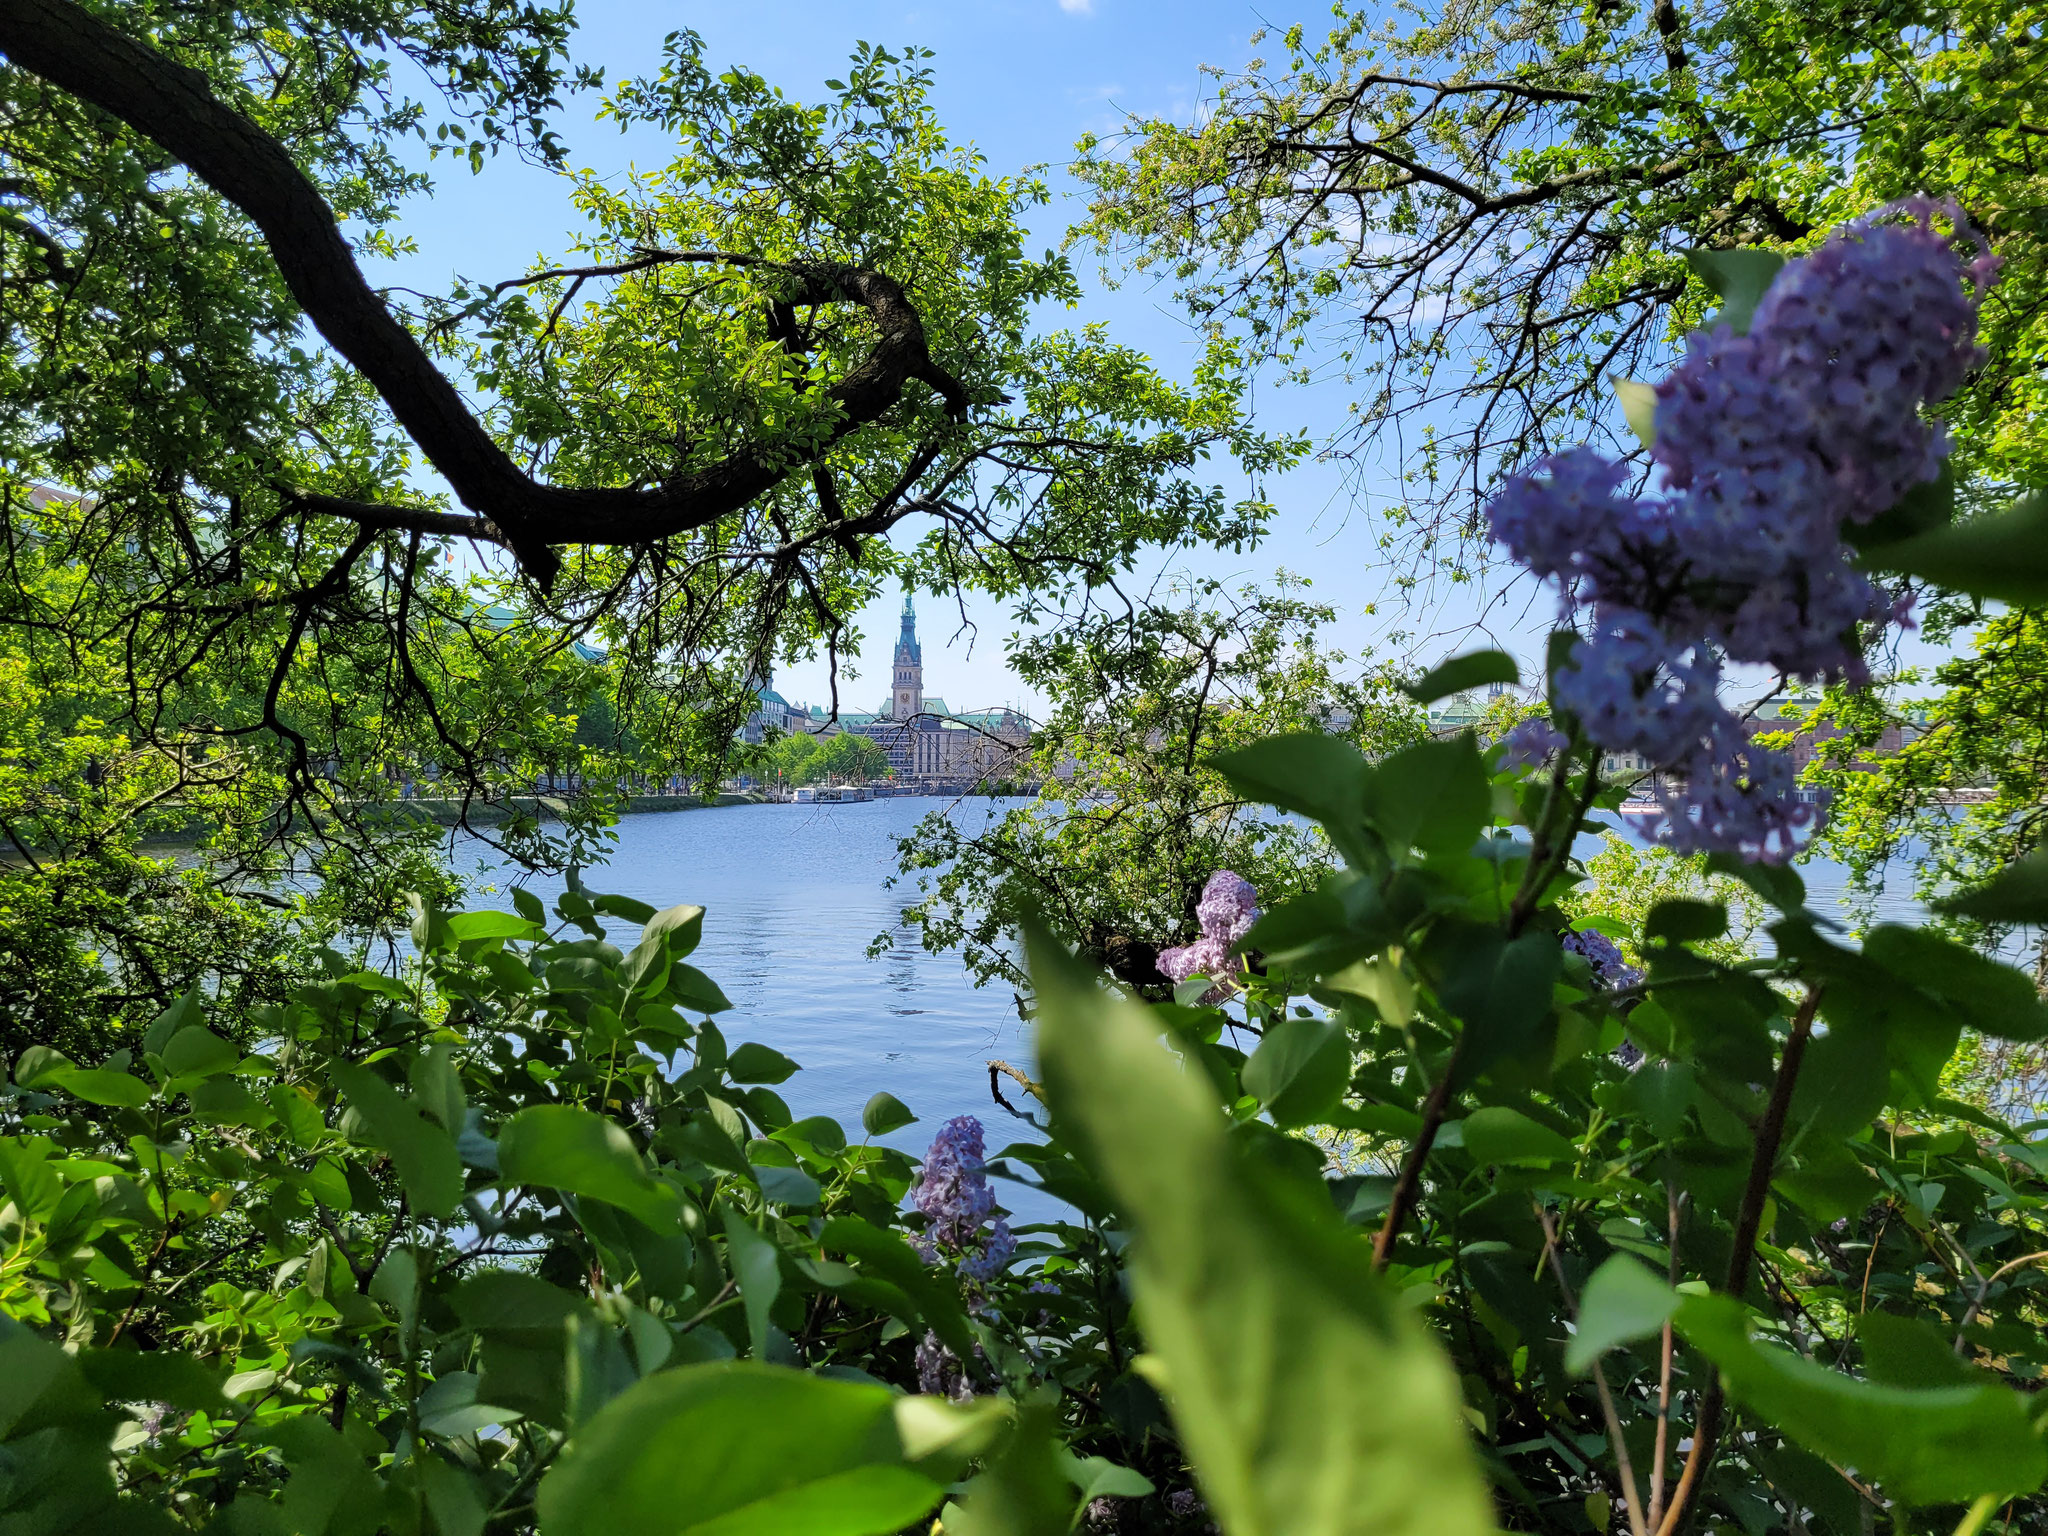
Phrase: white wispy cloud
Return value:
(1078, 7)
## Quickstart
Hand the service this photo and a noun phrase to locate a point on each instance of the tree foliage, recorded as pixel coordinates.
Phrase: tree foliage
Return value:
(1131, 817)
(1479, 216)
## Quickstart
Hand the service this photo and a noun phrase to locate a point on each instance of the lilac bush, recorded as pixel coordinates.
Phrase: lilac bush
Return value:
(953, 1193)
(1766, 443)
(1228, 907)
(1610, 969)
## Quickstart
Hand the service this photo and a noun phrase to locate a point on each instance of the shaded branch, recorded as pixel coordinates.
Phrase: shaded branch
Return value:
(78, 52)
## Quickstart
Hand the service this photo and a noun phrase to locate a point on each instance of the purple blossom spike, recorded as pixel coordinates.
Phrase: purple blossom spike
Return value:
(1228, 908)
(1768, 443)
(1531, 744)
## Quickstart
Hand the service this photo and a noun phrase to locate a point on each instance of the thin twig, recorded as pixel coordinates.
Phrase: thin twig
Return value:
(1770, 1133)
(1407, 1186)
(1669, 1353)
(1629, 1497)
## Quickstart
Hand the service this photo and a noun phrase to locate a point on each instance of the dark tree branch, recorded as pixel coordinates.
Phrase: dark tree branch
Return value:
(175, 106)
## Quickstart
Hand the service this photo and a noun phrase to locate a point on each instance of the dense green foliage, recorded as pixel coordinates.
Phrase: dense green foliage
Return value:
(1410, 1218)
(1131, 816)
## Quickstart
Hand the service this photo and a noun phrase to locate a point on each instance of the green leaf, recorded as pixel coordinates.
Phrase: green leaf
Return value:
(1024, 1491)
(152, 1376)
(451, 1407)
(571, 1149)
(99, 1085)
(892, 1259)
(628, 907)
(2018, 894)
(885, 1113)
(1321, 777)
(1990, 997)
(1623, 1301)
(1500, 988)
(757, 1270)
(437, 1086)
(1683, 921)
(182, 1014)
(1475, 669)
(422, 1152)
(737, 1449)
(1300, 1070)
(2002, 555)
(1638, 409)
(1779, 884)
(752, 1063)
(493, 925)
(198, 1052)
(1661, 1092)
(1739, 279)
(788, 1186)
(683, 927)
(1308, 1397)
(1940, 1445)
(453, 1497)
(691, 988)
(1502, 1136)
(1433, 795)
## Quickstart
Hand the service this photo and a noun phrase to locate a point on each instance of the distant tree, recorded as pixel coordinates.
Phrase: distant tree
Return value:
(1131, 818)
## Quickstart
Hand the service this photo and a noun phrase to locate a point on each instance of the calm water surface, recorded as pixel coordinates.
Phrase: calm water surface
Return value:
(795, 893)
(793, 896)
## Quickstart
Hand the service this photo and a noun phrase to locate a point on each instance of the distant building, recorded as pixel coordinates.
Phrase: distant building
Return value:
(924, 738)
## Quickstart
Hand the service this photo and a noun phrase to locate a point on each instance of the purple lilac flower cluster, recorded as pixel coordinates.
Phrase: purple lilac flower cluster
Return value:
(952, 1191)
(1610, 970)
(1531, 743)
(1767, 443)
(1226, 912)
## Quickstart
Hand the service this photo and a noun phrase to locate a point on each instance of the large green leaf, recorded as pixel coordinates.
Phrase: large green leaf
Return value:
(1300, 1069)
(737, 1449)
(1499, 987)
(2019, 894)
(1474, 669)
(680, 927)
(1431, 795)
(1739, 277)
(1623, 1301)
(885, 1113)
(1937, 1445)
(1322, 777)
(422, 1152)
(2002, 555)
(1502, 1136)
(572, 1149)
(1309, 1400)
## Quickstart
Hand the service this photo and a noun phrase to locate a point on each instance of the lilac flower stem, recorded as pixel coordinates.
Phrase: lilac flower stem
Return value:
(1552, 844)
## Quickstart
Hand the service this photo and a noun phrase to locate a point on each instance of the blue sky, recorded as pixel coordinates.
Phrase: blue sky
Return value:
(1022, 80)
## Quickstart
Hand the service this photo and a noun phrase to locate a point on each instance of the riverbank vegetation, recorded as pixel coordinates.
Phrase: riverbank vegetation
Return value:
(1389, 1169)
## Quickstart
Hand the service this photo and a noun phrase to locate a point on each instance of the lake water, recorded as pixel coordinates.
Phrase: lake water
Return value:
(793, 895)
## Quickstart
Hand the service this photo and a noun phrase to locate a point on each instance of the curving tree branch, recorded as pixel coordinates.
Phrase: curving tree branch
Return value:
(175, 106)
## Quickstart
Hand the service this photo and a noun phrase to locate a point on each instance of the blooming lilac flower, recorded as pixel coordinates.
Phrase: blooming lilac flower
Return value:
(1204, 957)
(953, 1193)
(952, 1189)
(993, 1256)
(1740, 797)
(1635, 690)
(1609, 968)
(940, 1373)
(1768, 442)
(1228, 908)
(1531, 743)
